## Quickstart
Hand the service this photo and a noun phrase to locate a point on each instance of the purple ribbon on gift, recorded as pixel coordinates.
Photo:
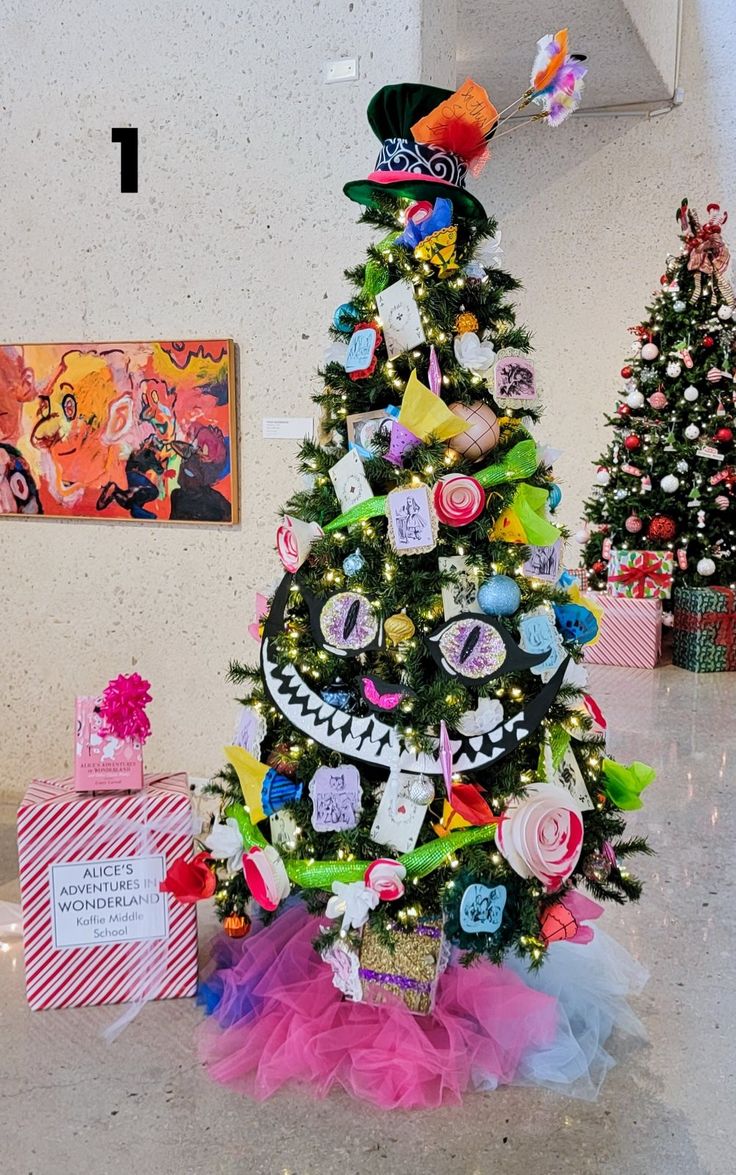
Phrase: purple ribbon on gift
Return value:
(402, 981)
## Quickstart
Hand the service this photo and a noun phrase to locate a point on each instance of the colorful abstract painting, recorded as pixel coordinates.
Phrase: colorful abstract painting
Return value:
(135, 431)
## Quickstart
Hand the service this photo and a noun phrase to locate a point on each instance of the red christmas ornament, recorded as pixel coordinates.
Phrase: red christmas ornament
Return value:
(624, 410)
(723, 436)
(627, 372)
(632, 442)
(599, 567)
(662, 528)
(663, 280)
(709, 341)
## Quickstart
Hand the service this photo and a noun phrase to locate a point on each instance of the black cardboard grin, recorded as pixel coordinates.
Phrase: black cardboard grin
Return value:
(369, 740)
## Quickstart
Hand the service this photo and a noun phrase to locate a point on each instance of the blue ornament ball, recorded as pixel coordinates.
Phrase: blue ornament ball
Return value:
(554, 496)
(353, 564)
(345, 318)
(499, 596)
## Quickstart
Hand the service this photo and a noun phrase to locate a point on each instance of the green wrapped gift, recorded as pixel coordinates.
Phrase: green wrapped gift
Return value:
(705, 629)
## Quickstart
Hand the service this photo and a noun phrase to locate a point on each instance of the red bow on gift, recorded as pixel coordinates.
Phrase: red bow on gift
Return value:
(645, 571)
(724, 622)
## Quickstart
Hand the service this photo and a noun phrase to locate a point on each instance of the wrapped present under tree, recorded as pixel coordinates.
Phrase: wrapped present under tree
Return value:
(643, 575)
(705, 629)
(630, 633)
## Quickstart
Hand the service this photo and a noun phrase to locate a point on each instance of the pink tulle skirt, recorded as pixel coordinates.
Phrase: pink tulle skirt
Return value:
(276, 1018)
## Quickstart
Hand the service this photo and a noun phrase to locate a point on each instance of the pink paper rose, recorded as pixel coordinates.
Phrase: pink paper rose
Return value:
(386, 878)
(294, 539)
(266, 876)
(541, 834)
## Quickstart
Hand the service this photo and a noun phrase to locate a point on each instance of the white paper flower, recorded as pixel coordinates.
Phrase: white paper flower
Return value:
(345, 970)
(487, 716)
(489, 252)
(476, 355)
(336, 353)
(541, 834)
(266, 876)
(225, 841)
(353, 901)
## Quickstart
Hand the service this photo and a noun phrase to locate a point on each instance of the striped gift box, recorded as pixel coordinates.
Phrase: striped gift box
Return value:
(630, 633)
(96, 928)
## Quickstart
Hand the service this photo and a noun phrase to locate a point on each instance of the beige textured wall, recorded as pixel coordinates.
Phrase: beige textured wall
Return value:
(240, 229)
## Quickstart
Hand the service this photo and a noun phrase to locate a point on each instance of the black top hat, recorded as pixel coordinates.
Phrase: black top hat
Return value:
(404, 167)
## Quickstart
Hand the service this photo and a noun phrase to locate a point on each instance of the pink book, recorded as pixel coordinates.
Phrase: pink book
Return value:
(103, 762)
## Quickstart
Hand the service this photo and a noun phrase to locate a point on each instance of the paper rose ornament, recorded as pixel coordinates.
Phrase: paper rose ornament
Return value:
(541, 834)
(386, 878)
(190, 881)
(266, 876)
(294, 540)
(473, 353)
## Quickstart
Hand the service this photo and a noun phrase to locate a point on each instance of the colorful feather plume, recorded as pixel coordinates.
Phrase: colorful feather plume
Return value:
(557, 78)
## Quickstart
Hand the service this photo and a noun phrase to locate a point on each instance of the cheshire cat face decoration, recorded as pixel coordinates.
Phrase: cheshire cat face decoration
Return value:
(369, 740)
(475, 649)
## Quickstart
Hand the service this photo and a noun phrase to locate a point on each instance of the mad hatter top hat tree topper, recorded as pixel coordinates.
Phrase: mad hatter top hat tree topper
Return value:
(397, 685)
(431, 138)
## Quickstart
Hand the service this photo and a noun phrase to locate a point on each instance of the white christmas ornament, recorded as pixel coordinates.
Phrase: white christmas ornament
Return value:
(619, 495)
(678, 305)
(582, 536)
(692, 432)
(705, 567)
(602, 477)
(682, 467)
(474, 354)
(670, 484)
(724, 313)
(649, 351)
(673, 369)
(635, 400)
(691, 394)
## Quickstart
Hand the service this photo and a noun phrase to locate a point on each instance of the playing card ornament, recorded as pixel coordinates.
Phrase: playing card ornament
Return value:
(368, 740)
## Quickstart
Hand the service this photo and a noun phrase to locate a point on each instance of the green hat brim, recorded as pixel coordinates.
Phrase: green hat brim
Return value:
(368, 192)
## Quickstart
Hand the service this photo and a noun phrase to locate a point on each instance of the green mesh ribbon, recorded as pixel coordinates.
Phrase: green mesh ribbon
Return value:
(519, 462)
(377, 273)
(321, 874)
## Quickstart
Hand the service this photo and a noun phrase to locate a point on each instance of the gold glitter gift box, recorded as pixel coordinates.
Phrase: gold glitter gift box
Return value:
(407, 968)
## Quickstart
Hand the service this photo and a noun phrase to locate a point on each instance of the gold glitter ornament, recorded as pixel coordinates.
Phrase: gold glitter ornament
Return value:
(466, 322)
(399, 628)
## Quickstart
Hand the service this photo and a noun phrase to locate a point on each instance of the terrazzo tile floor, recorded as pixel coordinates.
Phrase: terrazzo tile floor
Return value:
(72, 1105)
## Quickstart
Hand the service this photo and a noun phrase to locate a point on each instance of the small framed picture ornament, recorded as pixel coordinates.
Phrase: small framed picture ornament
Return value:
(514, 380)
(412, 523)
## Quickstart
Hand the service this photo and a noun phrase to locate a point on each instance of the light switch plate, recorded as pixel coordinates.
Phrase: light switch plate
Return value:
(344, 70)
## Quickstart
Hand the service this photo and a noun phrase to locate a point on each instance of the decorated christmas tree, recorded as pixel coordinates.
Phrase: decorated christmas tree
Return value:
(666, 480)
(417, 759)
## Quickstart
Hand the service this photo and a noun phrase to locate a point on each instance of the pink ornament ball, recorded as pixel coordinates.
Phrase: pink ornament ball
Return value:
(722, 502)
(481, 436)
(658, 400)
(633, 524)
(649, 351)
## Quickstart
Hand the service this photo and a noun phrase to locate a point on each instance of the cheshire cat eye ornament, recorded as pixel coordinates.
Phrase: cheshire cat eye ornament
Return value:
(421, 790)
(353, 564)
(597, 868)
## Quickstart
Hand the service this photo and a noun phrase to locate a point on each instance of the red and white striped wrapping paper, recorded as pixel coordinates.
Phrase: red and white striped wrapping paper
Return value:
(631, 632)
(57, 825)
